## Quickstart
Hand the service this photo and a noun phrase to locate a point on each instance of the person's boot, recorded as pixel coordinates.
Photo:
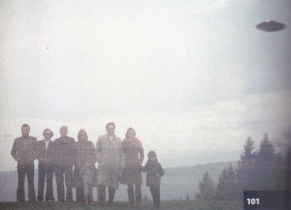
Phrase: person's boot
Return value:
(138, 204)
(86, 199)
(131, 200)
(110, 199)
(101, 196)
(90, 199)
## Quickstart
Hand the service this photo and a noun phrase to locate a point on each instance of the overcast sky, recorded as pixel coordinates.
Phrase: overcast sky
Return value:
(193, 78)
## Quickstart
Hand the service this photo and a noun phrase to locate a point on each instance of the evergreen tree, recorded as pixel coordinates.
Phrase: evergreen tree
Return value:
(246, 169)
(267, 152)
(226, 187)
(268, 166)
(206, 188)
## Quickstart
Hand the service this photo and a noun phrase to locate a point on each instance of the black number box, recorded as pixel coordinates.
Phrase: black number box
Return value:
(266, 200)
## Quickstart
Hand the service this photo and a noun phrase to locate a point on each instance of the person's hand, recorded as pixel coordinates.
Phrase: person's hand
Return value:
(157, 175)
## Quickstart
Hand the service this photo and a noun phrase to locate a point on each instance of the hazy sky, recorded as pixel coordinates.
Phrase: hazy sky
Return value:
(194, 78)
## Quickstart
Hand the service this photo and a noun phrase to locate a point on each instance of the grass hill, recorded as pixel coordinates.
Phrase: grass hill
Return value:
(177, 183)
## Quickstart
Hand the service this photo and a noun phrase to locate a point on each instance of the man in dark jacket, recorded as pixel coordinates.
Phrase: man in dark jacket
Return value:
(44, 150)
(23, 151)
(64, 157)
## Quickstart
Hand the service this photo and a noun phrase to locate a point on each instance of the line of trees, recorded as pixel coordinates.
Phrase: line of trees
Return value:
(256, 171)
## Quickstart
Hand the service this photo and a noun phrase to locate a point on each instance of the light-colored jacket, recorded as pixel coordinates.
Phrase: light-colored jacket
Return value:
(109, 155)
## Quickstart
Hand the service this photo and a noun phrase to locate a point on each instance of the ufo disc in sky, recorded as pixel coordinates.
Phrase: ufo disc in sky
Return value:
(270, 26)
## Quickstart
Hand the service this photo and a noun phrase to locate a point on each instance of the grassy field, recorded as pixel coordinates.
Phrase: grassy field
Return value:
(171, 205)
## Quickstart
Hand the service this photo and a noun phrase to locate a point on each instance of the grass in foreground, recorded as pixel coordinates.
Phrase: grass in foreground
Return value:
(171, 205)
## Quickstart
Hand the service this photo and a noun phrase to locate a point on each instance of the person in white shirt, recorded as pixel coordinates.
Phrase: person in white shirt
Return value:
(45, 168)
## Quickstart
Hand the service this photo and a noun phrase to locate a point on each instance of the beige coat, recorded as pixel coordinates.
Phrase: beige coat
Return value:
(109, 155)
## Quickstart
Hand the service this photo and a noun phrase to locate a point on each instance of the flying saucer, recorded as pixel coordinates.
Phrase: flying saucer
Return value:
(270, 26)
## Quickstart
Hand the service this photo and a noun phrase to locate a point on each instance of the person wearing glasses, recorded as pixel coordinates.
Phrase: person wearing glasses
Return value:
(45, 169)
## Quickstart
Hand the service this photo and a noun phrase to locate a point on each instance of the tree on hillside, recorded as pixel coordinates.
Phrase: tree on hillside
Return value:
(263, 170)
(246, 169)
(206, 188)
(271, 168)
(226, 187)
(267, 152)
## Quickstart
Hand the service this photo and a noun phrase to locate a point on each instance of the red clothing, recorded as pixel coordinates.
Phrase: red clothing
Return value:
(134, 155)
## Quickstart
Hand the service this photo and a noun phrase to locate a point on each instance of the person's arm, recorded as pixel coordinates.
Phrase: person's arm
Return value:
(83, 171)
(14, 151)
(160, 170)
(144, 168)
(141, 155)
(121, 157)
(53, 152)
(93, 151)
(34, 149)
(98, 150)
(74, 152)
(37, 151)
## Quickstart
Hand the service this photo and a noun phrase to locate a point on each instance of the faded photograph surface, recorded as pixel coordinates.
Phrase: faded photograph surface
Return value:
(165, 104)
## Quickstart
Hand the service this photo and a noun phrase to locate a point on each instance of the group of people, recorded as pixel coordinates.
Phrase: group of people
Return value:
(73, 164)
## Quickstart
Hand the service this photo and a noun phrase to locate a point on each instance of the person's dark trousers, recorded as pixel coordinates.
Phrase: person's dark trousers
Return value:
(101, 194)
(27, 170)
(45, 172)
(155, 191)
(131, 193)
(111, 192)
(61, 172)
(80, 195)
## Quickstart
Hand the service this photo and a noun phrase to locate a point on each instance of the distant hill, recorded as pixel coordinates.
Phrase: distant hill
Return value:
(176, 183)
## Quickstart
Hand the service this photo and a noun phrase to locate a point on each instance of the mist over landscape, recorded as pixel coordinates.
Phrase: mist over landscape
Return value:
(195, 79)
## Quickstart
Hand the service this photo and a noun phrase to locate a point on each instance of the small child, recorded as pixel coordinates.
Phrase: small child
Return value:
(153, 178)
(88, 173)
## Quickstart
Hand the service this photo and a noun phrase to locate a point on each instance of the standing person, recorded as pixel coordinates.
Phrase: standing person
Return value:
(64, 157)
(88, 173)
(44, 150)
(153, 179)
(85, 149)
(134, 155)
(23, 151)
(110, 162)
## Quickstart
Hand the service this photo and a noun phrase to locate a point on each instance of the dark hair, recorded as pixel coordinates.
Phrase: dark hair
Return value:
(110, 123)
(25, 126)
(79, 134)
(90, 159)
(152, 154)
(52, 134)
(129, 129)
(64, 127)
